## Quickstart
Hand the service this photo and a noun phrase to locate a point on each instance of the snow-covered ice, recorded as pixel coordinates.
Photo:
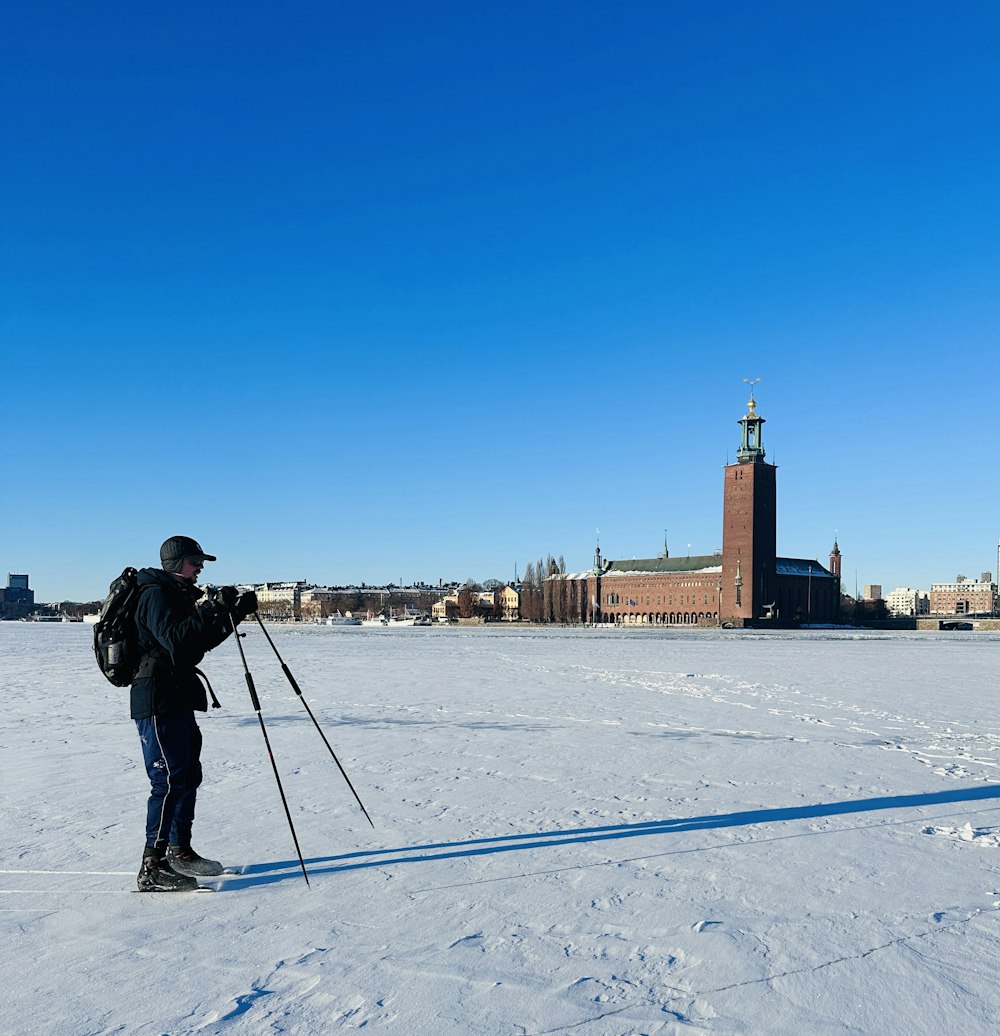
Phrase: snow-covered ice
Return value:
(577, 831)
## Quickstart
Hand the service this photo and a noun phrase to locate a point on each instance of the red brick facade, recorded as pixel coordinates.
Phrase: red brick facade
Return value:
(749, 546)
(966, 598)
(682, 597)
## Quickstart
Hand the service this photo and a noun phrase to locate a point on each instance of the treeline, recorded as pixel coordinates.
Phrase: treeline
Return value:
(361, 602)
(860, 611)
(544, 599)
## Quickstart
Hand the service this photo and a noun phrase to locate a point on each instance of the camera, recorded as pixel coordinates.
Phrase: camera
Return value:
(227, 596)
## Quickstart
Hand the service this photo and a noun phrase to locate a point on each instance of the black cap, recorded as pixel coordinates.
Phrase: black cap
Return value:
(175, 549)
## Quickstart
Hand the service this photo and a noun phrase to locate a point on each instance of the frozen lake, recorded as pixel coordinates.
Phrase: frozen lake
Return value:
(588, 831)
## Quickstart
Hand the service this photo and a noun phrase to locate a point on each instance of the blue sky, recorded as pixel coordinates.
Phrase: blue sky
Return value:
(425, 291)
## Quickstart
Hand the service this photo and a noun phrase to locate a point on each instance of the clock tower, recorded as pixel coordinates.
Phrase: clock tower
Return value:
(749, 528)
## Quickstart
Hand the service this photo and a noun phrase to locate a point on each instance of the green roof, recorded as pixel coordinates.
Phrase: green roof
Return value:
(692, 563)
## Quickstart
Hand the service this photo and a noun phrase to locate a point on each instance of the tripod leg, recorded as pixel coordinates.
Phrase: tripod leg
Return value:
(267, 741)
(295, 687)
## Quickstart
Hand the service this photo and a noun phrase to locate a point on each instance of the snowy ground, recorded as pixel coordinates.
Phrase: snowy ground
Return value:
(581, 831)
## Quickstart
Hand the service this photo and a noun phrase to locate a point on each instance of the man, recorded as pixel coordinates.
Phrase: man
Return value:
(176, 628)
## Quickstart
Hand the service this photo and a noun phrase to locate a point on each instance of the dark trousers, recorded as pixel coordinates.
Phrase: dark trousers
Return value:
(171, 749)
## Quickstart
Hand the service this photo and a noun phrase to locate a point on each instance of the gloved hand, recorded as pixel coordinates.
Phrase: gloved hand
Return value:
(227, 596)
(246, 604)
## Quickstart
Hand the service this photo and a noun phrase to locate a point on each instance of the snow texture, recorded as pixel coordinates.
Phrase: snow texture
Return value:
(577, 831)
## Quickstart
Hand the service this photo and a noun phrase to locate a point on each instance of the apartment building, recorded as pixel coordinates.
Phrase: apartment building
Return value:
(963, 597)
(905, 601)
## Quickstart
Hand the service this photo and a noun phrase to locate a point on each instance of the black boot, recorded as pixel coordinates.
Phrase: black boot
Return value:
(184, 860)
(156, 875)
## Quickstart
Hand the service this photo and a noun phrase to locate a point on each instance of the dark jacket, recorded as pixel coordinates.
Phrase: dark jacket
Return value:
(175, 631)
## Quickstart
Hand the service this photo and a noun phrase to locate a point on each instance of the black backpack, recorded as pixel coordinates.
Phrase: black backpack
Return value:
(116, 640)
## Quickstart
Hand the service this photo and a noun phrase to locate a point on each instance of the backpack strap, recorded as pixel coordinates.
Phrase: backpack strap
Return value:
(208, 687)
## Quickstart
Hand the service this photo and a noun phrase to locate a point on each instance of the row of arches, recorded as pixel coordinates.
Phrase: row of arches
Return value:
(658, 618)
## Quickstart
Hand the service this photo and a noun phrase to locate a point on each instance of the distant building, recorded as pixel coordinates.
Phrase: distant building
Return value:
(315, 602)
(747, 584)
(904, 602)
(17, 598)
(466, 603)
(510, 604)
(964, 597)
(873, 592)
(281, 600)
(445, 610)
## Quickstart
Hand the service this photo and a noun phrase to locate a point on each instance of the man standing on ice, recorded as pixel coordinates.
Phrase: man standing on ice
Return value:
(176, 628)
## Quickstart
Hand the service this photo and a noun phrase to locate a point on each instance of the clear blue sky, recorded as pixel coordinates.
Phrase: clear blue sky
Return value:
(364, 291)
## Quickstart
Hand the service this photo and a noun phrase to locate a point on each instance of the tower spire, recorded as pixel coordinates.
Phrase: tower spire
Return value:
(751, 447)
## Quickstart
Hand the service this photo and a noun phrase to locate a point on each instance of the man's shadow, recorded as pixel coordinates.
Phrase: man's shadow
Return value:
(285, 870)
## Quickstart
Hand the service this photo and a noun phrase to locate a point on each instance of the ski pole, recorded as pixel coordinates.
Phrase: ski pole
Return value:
(295, 687)
(267, 741)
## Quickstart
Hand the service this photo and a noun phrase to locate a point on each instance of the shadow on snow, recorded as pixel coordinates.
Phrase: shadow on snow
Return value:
(263, 874)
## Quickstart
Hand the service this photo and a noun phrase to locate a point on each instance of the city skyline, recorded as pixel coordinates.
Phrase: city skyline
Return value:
(443, 584)
(368, 295)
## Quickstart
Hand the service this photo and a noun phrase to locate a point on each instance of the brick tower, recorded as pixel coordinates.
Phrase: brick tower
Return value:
(749, 536)
(835, 560)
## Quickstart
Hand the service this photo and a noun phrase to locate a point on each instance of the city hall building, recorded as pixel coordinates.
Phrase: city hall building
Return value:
(748, 584)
